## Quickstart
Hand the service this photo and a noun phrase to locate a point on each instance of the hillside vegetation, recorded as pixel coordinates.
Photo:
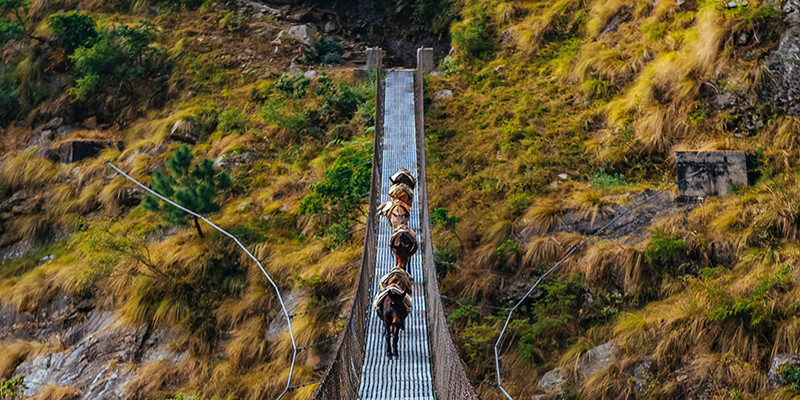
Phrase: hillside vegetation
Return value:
(193, 99)
(564, 113)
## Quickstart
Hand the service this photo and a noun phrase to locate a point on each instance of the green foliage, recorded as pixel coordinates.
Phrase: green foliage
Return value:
(605, 180)
(232, 120)
(441, 219)
(338, 234)
(194, 186)
(700, 113)
(753, 307)
(466, 313)
(72, 29)
(345, 186)
(232, 21)
(507, 247)
(11, 389)
(12, 29)
(551, 321)
(9, 103)
(328, 51)
(473, 36)
(517, 203)
(664, 250)
(206, 119)
(434, 16)
(790, 373)
(118, 55)
(294, 85)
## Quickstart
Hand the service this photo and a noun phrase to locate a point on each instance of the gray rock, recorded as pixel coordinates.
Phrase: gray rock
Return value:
(442, 94)
(302, 33)
(722, 101)
(185, 131)
(774, 381)
(623, 15)
(546, 396)
(782, 89)
(330, 27)
(294, 67)
(76, 150)
(597, 359)
(310, 74)
(231, 161)
(552, 379)
(278, 325)
(642, 374)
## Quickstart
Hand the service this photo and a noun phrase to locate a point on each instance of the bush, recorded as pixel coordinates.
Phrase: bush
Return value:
(12, 29)
(473, 36)
(790, 373)
(121, 54)
(12, 389)
(345, 186)
(232, 21)
(72, 29)
(9, 104)
(434, 16)
(232, 121)
(328, 51)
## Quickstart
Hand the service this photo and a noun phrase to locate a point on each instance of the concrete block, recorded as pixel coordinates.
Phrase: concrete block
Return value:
(716, 172)
(374, 57)
(425, 59)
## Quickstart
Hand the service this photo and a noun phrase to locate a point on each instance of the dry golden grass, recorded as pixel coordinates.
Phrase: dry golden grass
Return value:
(53, 392)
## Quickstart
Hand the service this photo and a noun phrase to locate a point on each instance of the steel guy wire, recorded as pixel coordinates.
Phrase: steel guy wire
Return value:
(556, 265)
(275, 286)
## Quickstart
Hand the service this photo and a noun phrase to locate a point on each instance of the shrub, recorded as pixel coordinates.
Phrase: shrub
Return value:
(9, 104)
(191, 186)
(12, 29)
(343, 190)
(72, 29)
(232, 121)
(606, 180)
(790, 373)
(118, 55)
(473, 36)
(12, 389)
(232, 21)
(434, 16)
(328, 51)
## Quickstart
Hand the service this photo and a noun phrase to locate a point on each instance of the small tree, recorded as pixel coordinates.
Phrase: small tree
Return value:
(73, 29)
(12, 29)
(442, 220)
(193, 186)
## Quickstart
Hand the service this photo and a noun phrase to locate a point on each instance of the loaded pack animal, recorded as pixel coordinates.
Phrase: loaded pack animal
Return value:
(393, 304)
(405, 177)
(403, 244)
(396, 212)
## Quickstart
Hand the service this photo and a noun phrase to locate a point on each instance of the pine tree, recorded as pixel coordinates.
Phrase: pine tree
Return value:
(194, 186)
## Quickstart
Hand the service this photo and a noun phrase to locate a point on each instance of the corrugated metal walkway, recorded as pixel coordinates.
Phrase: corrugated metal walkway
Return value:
(410, 376)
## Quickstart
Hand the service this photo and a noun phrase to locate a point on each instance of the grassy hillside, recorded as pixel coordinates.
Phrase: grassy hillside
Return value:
(562, 112)
(140, 80)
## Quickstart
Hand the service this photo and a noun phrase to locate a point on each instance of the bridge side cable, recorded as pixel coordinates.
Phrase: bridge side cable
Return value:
(249, 254)
(574, 248)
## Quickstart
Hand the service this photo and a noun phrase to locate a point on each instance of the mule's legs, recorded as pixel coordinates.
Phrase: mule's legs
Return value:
(395, 339)
(388, 334)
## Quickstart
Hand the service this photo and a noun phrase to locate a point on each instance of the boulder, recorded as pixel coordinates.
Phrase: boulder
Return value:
(552, 379)
(597, 359)
(774, 380)
(278, 325)
(231, 161)
(783, 87)
(185, 131)
(642, 374)
(441, 95)
(302, 33)
(71, 151)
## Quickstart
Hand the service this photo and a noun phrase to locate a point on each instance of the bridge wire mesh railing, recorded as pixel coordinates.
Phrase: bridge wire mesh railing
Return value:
(343, 375)
(450, 377)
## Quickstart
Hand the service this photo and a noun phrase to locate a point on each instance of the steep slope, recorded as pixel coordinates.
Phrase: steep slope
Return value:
(549, 118)
(100, 297)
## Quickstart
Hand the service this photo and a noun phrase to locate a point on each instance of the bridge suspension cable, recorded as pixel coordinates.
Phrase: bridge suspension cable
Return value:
(249, 254)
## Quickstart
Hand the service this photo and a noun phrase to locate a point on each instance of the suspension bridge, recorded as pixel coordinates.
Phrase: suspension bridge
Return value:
(429, 366)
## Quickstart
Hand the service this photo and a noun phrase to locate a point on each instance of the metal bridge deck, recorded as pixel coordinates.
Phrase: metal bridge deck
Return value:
(409, 377)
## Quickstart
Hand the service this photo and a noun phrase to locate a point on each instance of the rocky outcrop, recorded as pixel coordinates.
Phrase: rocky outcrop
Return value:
(96, 353)
(782, 87)
(774, 380)
(552, 380)
(184, 131)
(76, 150)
